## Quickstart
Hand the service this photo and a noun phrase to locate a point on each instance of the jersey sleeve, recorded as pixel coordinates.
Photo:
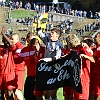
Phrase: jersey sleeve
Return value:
(43, 37)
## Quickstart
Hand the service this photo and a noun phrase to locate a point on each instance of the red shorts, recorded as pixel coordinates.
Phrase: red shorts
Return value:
(97, 86)
(19, 79)
(85, 91)
(7, 81)
(38, 93)
(67, 91)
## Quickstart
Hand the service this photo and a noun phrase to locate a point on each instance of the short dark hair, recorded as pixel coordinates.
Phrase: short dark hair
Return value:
(87, 37)
(29, 35)
(33, 41)
(89, 42)
(57, 30)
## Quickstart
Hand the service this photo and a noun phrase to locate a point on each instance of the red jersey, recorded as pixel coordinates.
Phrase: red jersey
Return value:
(6, 60)
(65, 51)
(85, 71)
(16, 50)
(92, 68)
(97, 60)
(31, 58)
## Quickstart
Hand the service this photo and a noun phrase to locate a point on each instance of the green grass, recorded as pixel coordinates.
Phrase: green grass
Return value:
(22, 13)
(60, 94)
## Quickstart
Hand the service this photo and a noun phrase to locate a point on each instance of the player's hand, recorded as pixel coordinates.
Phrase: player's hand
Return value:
(3, 30)
(83, 56)
(37, 47)
(84, 44)
(46, 59)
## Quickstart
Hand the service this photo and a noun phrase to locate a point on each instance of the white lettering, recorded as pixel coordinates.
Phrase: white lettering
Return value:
(57, 67)
(66, 63)
(44, 67)
(66, 75)
(51, 81)
(76, 74)
(63, 75)
(60, 76)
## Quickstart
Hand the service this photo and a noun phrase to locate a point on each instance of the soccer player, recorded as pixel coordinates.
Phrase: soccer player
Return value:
(40, 50)
(31, 55)
(16, 47)
(53, 52)
(97, 67)
(89, 41)
(7, 66)
(67, 91)
(86, 56)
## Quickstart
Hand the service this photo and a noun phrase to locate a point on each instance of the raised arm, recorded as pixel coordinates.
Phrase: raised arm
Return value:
(39, 31)
(3, 34)
(88, 53)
